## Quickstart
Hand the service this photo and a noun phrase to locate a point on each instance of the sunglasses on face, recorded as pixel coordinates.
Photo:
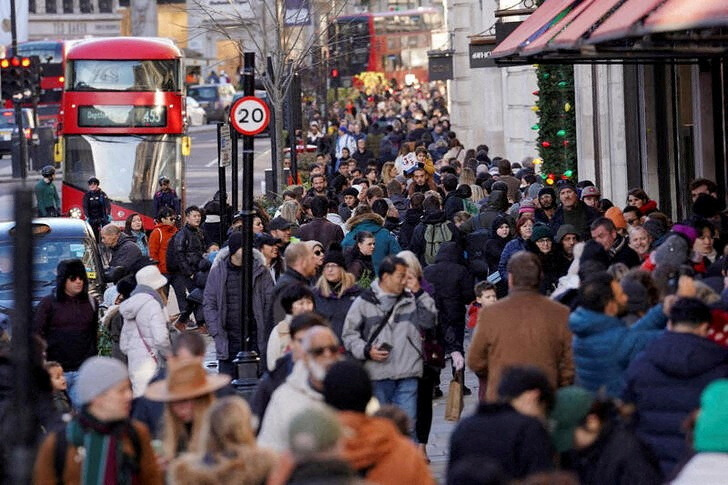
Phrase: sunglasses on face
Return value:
(318, 252)
(319, 351)
(75, 278)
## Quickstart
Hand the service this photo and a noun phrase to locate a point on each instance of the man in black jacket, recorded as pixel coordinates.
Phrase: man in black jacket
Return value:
(189, 248)
(124, 251)
(604, 232)
(510, 432)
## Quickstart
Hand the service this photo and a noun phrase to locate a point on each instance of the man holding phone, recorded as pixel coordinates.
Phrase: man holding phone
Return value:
(382, 328)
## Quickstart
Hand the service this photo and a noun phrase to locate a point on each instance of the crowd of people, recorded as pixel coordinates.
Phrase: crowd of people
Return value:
(597, 329)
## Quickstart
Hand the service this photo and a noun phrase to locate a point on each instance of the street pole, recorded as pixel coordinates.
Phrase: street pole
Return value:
(273, 189)
(293, 102)
(234, 167)
(25, 423)
(20, 167)
(221, 185)
(247, 361)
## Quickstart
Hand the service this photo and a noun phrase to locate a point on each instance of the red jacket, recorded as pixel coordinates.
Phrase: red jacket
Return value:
(158, 241)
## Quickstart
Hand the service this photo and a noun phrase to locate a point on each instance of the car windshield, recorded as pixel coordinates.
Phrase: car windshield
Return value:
(48, 252)
(203, 93)
(113, 75)
(128, 166)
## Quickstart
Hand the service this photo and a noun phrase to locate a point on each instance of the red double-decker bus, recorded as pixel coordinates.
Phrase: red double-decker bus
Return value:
(123, 122)
(395, 43)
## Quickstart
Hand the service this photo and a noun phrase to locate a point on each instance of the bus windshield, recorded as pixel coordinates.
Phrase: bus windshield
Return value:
(133, 163)
(112, 75)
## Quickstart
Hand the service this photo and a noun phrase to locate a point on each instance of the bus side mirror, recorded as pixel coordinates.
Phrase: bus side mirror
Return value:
(186, 146)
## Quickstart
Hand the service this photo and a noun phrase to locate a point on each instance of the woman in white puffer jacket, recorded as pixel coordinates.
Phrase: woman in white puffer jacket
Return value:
(145, 334)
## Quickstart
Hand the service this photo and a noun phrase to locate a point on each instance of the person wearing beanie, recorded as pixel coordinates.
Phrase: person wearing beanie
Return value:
(654, 377)
(553, 264)
(222, 305)
(68, 321)
(615, 215)
(572, 210)
(145, 335)
(546, 202)
(103, 445)
(335, 290)
(372, 446)
(566, 238)
(709, 466)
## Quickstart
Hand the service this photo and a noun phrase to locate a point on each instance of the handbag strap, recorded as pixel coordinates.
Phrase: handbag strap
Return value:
(383, 322)
(149, 349)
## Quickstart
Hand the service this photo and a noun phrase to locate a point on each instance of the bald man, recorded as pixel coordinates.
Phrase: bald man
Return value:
(124, 251)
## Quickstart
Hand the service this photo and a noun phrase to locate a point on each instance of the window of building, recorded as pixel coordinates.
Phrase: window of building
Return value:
(51, 6)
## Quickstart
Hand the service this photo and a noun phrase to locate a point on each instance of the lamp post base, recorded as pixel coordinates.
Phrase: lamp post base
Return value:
(247, 365)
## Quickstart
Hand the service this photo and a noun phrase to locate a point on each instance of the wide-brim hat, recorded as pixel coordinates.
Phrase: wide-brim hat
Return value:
(186, 379)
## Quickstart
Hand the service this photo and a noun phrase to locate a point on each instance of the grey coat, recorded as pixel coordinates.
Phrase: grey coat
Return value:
(214, 305)
(402, 331)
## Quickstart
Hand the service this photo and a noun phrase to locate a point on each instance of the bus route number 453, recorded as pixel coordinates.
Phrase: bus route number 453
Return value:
(249, 115)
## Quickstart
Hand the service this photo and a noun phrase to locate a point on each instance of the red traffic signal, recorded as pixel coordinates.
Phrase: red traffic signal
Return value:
(334, 72)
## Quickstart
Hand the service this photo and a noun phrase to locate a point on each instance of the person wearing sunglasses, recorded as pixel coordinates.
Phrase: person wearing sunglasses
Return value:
(67, 320)
(318, 255)
(303, 388)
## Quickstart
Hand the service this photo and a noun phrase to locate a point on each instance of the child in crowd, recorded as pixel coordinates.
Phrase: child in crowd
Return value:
(485, 295)
(61, 400)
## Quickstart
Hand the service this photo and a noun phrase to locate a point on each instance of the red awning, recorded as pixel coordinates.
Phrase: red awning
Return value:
(685, 15)
(533, 27)
(623, 21)
(579, 28)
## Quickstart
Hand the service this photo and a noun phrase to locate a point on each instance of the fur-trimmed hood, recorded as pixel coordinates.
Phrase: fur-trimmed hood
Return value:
(245, 465)
(368, 216)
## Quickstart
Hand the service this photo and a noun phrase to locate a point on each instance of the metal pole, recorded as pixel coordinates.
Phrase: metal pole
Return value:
(20, 167)
(234, 167)
(292, 103)
(273, 189)
(247, 360)
(221, 186)
(25, 422)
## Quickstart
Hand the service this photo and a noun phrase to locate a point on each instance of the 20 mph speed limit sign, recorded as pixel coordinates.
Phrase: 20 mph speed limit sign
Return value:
(249, 115)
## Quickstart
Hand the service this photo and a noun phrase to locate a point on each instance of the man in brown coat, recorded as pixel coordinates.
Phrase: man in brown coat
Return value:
(525, 328)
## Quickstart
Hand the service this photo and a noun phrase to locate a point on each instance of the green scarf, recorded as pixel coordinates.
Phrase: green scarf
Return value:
(101, 445)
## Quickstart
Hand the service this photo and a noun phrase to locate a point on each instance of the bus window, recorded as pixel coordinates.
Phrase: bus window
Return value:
(105, 75)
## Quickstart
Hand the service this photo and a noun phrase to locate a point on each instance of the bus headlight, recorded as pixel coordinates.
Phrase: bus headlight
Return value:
(75, 213)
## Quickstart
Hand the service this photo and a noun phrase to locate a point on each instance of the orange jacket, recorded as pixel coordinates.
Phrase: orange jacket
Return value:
(158, 241)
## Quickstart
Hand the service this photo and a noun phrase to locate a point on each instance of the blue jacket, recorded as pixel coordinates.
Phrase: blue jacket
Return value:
(665, 383)
(604, 346)
(512, 247)
(385, 242)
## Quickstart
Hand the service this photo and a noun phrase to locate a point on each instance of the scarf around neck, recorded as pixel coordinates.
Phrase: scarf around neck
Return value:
(101, 446)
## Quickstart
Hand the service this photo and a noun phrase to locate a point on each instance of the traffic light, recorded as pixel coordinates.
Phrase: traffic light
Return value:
(335, 79)
(20, 78)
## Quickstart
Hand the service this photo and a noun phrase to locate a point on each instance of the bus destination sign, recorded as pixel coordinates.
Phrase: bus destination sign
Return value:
(122, 116)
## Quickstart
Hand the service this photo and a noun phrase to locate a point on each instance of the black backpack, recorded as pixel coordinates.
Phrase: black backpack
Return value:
(475, 243)
(172, 254)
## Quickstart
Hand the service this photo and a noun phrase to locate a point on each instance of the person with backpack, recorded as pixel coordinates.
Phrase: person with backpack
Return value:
(96, 206)
(184, 253)
(102, 444)
(432, 231)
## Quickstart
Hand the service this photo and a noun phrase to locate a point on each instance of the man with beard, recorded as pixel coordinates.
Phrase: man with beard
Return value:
(547, 205)
(566, 238)
(303, 387)
(573, 211)
(603, 344)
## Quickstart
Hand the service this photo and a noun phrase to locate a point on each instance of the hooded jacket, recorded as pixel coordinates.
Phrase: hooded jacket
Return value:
(159, 240)
(144, 335)
(402, 331)
(496, 206)
(418, 244)
(453, 291)
(68, 324)
(374, 448)
(385, 242)
(215, 306)
(604, 346)
(665, 383)
(495, 245)
(243, 465)
(411, 218)
(292, 397)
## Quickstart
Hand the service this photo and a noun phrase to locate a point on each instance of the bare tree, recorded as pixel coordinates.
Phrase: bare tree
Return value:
(288, 37)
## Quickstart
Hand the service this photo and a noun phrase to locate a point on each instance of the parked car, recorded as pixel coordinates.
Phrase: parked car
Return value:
(9, 129)
(55, 239)
(215, 99)
(195, 113)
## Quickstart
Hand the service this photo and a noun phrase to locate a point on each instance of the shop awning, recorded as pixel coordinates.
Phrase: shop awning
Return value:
(608, 30)
(533, 27)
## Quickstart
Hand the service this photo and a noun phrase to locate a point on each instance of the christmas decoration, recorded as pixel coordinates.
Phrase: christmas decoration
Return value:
(556, 120)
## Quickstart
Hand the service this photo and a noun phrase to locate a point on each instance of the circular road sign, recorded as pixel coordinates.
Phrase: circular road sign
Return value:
(249, 115)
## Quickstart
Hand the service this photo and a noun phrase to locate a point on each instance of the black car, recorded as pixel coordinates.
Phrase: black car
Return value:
(9, 129)
(56, 239)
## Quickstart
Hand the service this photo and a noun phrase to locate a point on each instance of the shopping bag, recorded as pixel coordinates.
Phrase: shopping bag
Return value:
(454, 406)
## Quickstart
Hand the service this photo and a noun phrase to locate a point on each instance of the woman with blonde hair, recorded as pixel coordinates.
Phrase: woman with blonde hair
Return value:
(467, 177)
(188, 392)
(335, 290)
(291, 211)
(227, 450)
(389, 172)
